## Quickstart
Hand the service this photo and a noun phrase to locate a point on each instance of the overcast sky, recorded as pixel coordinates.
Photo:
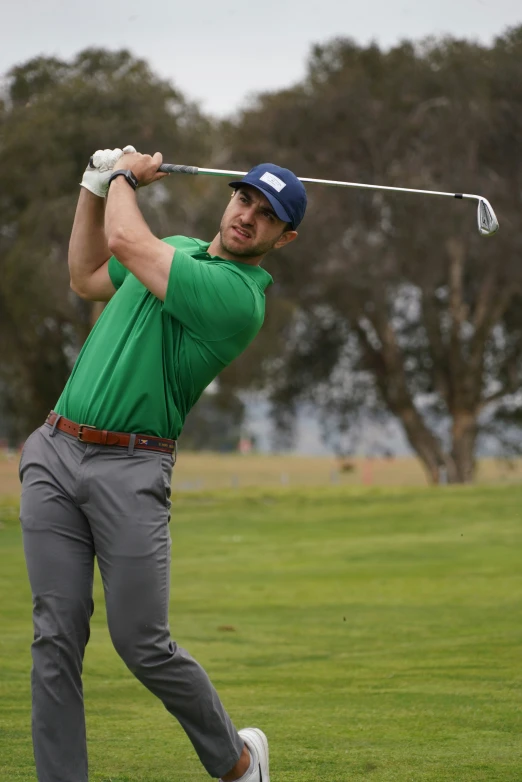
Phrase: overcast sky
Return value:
(220, 51)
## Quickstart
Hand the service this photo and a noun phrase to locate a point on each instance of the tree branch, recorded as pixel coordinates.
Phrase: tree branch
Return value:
(492, 310)
(484, 297)
(509, 387)
(436, 346)
(457, 309)
(390, 377)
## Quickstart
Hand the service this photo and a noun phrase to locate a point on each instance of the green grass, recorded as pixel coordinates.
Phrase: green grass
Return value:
(377, 636)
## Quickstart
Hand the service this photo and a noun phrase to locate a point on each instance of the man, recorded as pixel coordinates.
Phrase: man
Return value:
(96, 475)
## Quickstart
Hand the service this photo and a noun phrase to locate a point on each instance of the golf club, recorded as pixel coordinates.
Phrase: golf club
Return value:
(486, 218)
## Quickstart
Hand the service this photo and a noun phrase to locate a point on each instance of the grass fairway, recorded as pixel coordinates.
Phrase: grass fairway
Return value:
(373, 634)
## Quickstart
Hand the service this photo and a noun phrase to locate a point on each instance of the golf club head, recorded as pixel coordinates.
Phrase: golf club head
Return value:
(486, 218)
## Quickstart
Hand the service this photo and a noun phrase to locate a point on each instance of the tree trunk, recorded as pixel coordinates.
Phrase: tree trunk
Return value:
(464, 436)
(425, 445)
(456, 467)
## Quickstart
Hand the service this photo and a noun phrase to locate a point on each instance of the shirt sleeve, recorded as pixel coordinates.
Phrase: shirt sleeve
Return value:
(210, 299)
(117, 272)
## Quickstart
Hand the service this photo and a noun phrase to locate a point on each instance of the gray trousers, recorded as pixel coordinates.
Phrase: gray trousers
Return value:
(80, 502)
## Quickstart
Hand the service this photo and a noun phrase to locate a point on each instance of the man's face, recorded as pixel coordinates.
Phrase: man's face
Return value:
(250, 227)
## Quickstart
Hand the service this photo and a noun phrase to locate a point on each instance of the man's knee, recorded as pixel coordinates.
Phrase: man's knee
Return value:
(58, 616)
(61, 633)
(141, 651)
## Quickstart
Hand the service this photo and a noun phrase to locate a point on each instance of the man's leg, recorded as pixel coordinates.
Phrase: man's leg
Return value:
(60, 561)
(128, 510)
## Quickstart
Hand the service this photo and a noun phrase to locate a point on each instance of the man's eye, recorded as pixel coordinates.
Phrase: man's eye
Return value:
(243, 199)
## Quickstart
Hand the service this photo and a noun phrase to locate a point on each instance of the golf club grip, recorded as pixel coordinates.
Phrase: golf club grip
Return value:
(171, 168)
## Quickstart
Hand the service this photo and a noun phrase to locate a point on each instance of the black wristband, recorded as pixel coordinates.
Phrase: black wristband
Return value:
(129, 176)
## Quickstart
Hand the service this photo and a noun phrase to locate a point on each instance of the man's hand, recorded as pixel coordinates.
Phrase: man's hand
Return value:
(97, 174)
(144, 167)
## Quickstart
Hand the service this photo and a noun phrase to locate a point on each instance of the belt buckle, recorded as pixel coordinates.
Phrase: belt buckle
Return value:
(81, 427)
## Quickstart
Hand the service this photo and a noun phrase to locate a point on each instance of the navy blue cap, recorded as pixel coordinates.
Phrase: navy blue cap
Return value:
(283, 189)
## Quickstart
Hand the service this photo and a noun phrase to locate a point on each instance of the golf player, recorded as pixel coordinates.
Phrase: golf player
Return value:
(96, 475)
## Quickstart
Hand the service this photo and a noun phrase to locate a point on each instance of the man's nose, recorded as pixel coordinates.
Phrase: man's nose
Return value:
(247, 215)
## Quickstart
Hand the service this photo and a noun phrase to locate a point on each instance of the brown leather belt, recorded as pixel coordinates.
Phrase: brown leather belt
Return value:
(89, 434)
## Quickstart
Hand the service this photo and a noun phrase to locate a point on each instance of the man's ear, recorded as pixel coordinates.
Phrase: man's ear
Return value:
(285, 238)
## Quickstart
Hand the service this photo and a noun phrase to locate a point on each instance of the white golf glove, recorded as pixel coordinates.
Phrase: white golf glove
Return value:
(96, 176)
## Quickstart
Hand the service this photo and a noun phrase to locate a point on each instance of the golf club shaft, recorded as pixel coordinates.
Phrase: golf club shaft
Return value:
(170, 168)
(486, 219)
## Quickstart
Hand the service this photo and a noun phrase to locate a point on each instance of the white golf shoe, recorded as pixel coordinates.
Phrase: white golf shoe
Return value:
(257, 744)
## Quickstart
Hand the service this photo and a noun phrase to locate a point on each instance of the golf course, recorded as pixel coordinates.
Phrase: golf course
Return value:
(372, 633)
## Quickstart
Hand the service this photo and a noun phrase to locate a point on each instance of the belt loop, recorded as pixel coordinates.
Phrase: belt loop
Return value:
(130, 447)
(175, 454)
(56, 422)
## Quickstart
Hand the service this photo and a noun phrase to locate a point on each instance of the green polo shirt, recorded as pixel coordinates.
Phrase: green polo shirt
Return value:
(147, 362)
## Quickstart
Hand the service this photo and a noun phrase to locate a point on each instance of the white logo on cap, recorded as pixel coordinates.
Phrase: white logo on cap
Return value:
(273, 181)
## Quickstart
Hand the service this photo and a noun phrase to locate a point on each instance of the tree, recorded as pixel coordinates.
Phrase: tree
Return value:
(393, 304)
(53, 115)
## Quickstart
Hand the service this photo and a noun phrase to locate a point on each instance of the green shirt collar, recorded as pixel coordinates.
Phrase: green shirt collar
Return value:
(259, 275)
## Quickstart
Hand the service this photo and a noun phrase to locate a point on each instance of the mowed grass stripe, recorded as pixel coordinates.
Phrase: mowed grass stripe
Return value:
(374, 635)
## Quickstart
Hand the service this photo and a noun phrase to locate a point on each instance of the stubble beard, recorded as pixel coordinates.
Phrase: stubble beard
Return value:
(252, 252)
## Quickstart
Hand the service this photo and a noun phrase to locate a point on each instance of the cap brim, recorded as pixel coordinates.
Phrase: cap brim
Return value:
(278, 209)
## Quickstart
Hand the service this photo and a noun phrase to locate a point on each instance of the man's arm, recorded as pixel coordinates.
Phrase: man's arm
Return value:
(89, 251)
(129, 237)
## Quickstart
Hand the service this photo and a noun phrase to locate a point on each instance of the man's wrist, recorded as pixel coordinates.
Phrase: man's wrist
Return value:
(126, 174)
(95, 182)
